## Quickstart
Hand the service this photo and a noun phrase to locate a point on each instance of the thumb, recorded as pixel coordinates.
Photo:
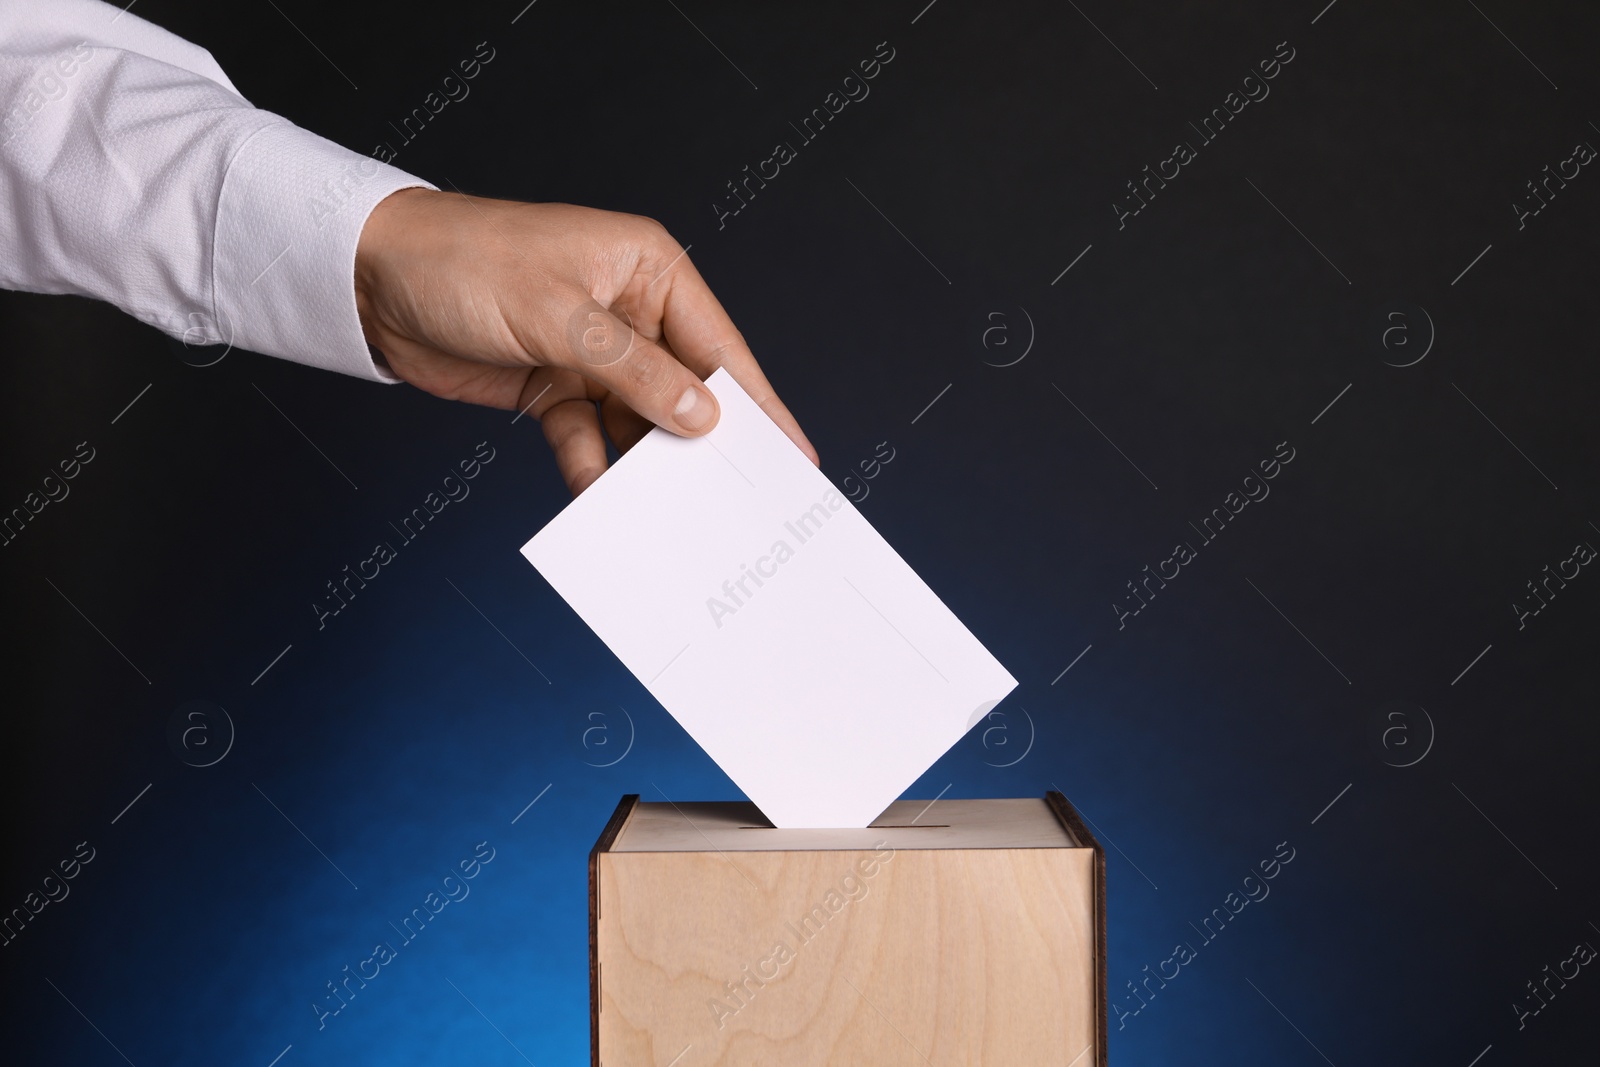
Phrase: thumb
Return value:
(607, 349)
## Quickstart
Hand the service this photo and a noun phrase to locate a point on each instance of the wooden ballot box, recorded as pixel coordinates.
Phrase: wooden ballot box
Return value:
(964, 932)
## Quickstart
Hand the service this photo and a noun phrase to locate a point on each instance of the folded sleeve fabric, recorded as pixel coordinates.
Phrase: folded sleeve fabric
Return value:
(132, 171)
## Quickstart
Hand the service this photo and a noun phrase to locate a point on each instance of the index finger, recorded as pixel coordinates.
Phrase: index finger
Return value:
(704, 338)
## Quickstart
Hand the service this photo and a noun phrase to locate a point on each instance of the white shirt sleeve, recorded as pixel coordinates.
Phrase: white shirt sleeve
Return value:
(132, 171)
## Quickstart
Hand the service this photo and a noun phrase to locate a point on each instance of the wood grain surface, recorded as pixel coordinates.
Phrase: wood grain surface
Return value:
(894, 955)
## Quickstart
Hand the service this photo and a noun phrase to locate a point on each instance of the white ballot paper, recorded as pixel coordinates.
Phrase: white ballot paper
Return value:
(768, 616)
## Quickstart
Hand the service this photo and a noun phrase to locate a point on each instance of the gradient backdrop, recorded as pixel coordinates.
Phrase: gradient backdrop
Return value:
(1342, 274)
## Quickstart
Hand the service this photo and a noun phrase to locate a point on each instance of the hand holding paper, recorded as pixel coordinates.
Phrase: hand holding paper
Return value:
(768, 616)
(613, 335)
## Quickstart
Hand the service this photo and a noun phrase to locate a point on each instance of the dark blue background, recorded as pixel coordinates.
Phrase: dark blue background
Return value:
(1197, 338)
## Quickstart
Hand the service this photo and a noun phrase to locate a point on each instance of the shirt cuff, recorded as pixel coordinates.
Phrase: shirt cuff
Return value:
(289, 217)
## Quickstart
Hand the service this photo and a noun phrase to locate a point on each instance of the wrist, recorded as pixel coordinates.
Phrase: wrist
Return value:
(392, 217)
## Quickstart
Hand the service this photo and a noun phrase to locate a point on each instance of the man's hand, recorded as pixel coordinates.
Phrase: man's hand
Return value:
(552, 309)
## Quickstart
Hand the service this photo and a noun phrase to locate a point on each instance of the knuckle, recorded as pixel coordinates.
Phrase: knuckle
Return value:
(727, 346)
(560, 426)
(654, 232)
(559, 435)
(596, 338)
(648, 372)
(652, 224)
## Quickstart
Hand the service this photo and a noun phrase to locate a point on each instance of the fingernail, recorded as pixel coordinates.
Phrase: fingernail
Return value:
(695, 409)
